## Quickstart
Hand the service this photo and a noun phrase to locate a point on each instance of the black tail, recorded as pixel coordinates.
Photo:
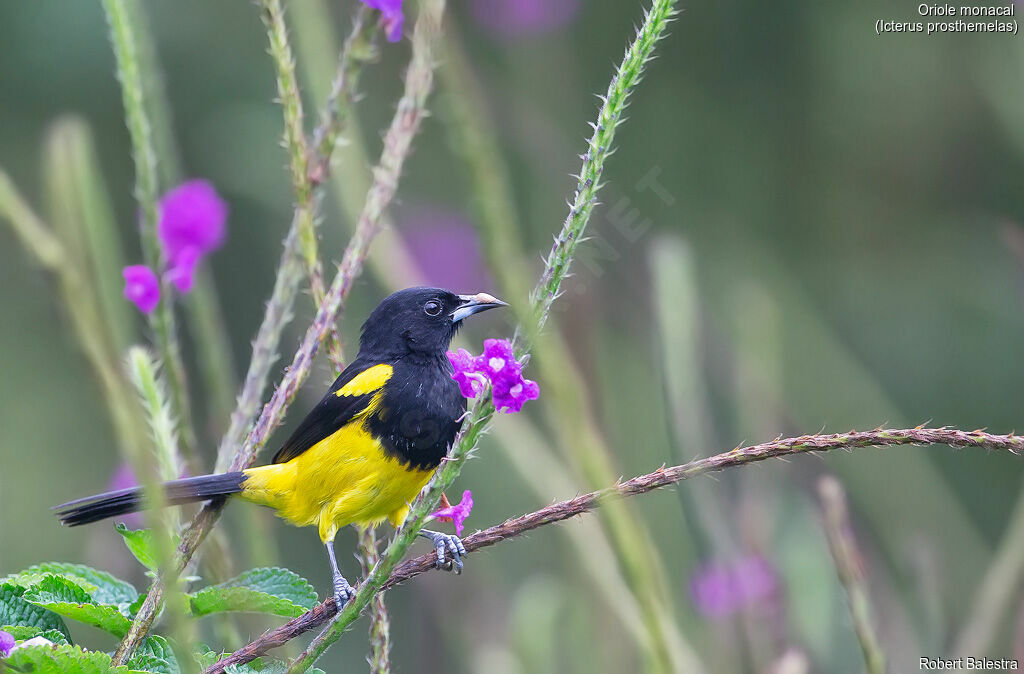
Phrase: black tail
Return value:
(124, 501)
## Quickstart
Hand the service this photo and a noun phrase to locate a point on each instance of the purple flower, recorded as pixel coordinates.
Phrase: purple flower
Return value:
(471, 382)
(141, 286)
(509, 397)
(498, 365)
(391, 17)
(512, 19)
(720, 590)
(6, 644)
(456, 513)
(192, 218)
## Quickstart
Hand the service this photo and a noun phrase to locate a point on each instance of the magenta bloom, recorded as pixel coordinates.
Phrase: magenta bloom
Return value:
(511, 19)
(391, 17)
(141, 286)
(192, 218)
(471, 382)
(498, 365)
(720, 590)
(6, 644)
(457, 513)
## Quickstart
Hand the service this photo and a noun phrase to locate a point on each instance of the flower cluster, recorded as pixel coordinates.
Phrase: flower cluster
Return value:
(6, 644)
(191, 225)
(456, 513)
(497, 365)
(721, 590)
(391, 17)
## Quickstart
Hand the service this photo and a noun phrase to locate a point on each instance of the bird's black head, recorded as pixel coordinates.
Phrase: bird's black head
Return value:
(419, 320)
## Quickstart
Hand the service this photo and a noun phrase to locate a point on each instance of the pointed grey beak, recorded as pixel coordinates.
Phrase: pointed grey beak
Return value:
(474, 304)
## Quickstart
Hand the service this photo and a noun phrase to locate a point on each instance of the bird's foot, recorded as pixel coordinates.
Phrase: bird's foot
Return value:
(446, 544)
(343, 591)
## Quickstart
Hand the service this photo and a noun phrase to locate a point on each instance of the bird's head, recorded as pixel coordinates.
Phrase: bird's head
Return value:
(420, 320)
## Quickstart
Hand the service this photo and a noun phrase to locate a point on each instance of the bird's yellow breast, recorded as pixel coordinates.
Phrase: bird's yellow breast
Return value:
(346, 478)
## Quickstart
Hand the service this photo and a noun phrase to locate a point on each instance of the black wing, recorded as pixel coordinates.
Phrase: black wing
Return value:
(330, 414)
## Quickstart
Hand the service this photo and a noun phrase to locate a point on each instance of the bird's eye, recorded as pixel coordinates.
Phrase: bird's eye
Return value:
(432, 308)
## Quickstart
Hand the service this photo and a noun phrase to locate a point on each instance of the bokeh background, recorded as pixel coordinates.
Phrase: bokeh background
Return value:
(805, 226)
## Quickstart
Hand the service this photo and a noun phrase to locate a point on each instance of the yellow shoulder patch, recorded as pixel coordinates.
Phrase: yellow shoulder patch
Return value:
(367, 381)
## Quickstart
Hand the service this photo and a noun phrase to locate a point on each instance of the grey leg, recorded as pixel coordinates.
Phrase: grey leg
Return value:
(443, 544)
(342, 590)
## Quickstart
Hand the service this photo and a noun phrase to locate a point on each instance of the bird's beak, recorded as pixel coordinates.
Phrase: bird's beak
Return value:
(474, 304)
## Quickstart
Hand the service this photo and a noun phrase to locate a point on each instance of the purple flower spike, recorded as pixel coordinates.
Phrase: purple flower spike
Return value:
(499, 361)
(510, 396)
(141, 286)
(6, 644)
(391, 17)
(192, 218)
(498, 365)
(457, 513)
(471, 382)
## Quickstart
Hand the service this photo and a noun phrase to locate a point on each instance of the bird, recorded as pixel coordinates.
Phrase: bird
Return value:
(364, 452)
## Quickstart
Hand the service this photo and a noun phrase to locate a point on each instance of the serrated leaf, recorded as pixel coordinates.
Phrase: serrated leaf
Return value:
(270, 590)
(62, 659)
(14, 610)
(64, 597)
(155, 655)
(140, 544)
(22, 632)
(104, 588)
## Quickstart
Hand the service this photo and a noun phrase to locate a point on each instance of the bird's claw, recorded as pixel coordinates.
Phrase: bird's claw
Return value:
(445, 544)
(343, 591)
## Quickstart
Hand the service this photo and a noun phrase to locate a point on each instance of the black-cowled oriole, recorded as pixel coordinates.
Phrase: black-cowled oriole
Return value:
(367, 448)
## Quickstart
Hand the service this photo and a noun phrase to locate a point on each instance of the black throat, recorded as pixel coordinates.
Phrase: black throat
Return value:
(420, 411)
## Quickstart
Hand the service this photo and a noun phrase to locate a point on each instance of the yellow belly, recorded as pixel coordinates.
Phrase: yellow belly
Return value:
(346, 478)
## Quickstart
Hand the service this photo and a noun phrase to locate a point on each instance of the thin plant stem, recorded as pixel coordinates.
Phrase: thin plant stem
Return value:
(380, 624)
(80, 206)
(480, 413)
(662, 477)
(999, 588)
(473, 140)
(123, 39)
(163, 464)
(397, 146)
(37, 238)
(850, 569)
(390, 259)
(298, 154)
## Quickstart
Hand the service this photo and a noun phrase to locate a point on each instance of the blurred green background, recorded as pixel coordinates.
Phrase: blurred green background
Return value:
(805, 226)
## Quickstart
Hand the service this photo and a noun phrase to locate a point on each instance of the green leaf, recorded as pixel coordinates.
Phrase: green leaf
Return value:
(140, 543)
(62, 596)
(257, 666)
(271, 590)
(22, 632)
(104, 588)
(61, 659)
(155, 655)
(14, 610)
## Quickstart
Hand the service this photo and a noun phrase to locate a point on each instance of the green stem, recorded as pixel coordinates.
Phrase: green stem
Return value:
(81, 208)
(163, 464)
(480, 413)
(380, 623)
(850, 570)
(123, 39)
(298, 154)
(473, 140)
